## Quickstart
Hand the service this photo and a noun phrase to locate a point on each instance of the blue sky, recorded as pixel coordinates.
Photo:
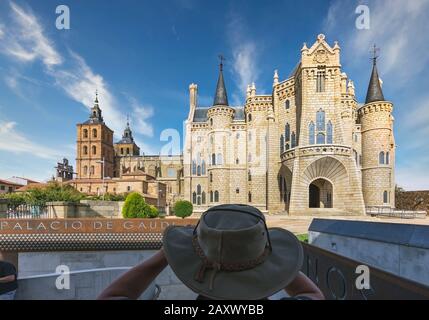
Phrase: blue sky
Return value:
(143, 55)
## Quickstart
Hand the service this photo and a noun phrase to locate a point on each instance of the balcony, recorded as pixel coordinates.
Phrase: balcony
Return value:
(312, 150)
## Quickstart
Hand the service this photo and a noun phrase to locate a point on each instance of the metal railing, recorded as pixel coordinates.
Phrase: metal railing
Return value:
(25, 211)
(395, 213)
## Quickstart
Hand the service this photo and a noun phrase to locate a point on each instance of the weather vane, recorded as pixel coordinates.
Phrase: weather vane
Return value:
(374, 52)
(222, 59)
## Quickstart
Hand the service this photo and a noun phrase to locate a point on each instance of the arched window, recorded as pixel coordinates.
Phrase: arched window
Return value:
(85, 150)
(293, 138)
(198, 189)
(249, 175)
(194, 167)
(320, 82)
(216, 196)
(381, 157)
(211, 121)
(211, 177)
(249, 157)
(199, 171)
(311, 133)
(320, 120)
(249, 118)
(85, 170)
(203, 167)
(128, 151)
(287, 147)
(329, 133)
(94, 133)
(92, 170)
(194, 198)
(287, 104)
(320, 138)
(213, 159)
(85, 133)
(250, 197)
(282, 144)
(219, 159)
(203, 198)
(211, 196)
(287, 132)
(385, 197)
(94, 150)
(387, 157)
(122, 151)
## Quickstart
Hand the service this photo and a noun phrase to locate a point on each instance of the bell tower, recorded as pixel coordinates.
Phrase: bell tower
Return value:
(94, 146)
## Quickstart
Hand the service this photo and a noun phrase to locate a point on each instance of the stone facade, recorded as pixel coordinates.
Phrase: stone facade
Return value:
(307, 147)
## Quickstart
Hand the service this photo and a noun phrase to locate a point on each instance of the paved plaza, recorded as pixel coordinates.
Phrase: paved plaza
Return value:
(299, 225)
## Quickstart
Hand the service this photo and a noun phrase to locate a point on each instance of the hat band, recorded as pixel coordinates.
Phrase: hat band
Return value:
(222, 266)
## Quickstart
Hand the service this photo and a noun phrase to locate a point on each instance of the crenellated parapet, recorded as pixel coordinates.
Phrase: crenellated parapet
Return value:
(221, 111)
(378, 106)
(258, 103)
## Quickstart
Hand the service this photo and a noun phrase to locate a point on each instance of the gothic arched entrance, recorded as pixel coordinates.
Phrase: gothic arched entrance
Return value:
(320, 194)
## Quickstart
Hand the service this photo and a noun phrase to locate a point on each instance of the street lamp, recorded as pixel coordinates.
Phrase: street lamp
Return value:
(102, 166)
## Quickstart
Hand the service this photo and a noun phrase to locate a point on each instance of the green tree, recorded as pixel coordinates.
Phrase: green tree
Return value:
(135, 206)
(183, 209)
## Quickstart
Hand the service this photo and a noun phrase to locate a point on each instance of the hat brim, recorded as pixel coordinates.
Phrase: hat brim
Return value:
(264, 280)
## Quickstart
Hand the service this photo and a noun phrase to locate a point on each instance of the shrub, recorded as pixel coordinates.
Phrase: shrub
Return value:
(154, 212)
(14, 199)
(183, 209)
(136, 207)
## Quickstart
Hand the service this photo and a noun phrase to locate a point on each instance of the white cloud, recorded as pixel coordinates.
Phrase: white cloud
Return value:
(398, 27)
(1, 31)
(140, 115)
(80, 82)
(27, 41)
(244, 53)
(12, 140)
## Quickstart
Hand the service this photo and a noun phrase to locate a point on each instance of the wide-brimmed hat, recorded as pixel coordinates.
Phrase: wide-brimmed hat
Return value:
(232, 255)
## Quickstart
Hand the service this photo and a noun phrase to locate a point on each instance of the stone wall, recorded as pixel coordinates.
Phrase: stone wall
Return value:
(91, 284)
(86, 209)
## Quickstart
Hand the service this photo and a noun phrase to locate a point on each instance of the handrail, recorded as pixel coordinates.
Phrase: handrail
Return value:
(390, 212)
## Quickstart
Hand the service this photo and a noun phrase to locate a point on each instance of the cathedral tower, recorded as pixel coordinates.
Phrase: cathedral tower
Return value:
(127, 146)
(94, 145)
(378, 145)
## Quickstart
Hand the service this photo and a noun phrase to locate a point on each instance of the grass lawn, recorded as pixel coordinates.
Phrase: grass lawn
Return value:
(303, 237)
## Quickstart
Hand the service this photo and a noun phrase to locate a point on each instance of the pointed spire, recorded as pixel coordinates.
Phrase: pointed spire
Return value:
(96, 114)
(221, 98)
(276, 78)
(127, 136)
(375, 92)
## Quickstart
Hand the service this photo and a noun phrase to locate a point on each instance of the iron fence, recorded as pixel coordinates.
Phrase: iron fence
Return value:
(25, 211)
(395, 213)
